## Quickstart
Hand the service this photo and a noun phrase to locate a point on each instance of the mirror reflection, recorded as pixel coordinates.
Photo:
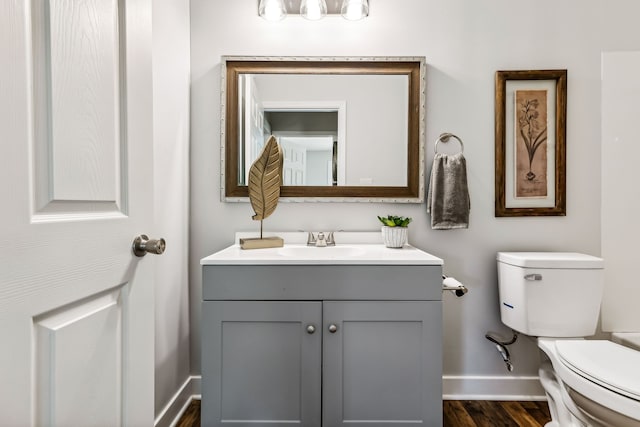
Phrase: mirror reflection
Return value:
(334, 129)
(349, 127)
(309, 140)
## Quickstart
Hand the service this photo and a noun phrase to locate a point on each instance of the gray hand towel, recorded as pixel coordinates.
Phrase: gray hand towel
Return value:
(448, 197)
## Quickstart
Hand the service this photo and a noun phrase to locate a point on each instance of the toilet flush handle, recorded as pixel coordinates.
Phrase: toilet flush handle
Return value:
(533, 277)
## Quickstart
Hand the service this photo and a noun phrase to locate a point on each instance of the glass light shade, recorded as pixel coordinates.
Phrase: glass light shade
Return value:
(354, 10)
(272, 10)
(313, 9)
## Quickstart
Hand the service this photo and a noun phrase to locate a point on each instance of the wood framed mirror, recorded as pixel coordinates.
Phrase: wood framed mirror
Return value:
(352, 128)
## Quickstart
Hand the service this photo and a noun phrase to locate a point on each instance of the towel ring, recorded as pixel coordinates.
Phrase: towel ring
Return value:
(445, 137)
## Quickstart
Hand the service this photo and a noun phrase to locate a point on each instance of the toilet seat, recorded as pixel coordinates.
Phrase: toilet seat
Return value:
(605, 363)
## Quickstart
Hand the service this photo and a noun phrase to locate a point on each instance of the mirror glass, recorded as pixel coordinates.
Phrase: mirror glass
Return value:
(349, 128)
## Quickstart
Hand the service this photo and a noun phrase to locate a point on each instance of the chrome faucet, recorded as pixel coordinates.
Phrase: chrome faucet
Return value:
(320, 239)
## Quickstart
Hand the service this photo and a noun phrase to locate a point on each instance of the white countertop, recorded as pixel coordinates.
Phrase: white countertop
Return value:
(352, 248)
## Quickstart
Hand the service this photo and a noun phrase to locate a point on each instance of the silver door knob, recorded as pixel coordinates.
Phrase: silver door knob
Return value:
(333, 328)
(311, 329)
(143, 245)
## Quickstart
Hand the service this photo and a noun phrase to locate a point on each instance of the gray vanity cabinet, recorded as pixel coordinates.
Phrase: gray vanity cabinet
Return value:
(322, 346)
(382, 366)
(261, 363)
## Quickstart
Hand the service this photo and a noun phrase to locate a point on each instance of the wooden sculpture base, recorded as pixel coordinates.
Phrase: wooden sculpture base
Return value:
(258, 243)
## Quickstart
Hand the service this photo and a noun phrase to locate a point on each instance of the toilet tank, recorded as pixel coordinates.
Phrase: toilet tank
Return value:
(550, 294)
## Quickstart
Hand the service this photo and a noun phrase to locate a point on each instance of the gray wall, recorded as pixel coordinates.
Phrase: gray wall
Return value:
(171, 210)
(465, 42)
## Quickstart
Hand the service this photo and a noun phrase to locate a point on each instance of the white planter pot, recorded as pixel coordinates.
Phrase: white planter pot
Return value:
(394, 237)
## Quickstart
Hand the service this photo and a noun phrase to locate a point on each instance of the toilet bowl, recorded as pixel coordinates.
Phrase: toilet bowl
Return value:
(598, 382)
(556, 298)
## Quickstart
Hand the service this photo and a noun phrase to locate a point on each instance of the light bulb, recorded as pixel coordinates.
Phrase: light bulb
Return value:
(354, 10)
(272, 10)
(313, 9)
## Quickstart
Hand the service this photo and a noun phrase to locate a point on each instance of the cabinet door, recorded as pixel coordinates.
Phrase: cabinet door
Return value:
(260, 364)
(383, 364)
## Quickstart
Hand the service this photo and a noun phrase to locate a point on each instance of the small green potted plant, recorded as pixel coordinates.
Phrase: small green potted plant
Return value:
(394, 230)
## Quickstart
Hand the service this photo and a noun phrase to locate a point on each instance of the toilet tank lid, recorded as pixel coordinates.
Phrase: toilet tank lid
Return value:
(551, 260)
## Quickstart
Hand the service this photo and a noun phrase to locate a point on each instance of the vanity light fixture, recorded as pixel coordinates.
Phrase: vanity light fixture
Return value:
(272, 10)
(276, 10)
(355, 10)
(313, 9)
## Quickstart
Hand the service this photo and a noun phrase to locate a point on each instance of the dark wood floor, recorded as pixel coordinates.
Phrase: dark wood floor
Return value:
(483, 413)
(456, 413)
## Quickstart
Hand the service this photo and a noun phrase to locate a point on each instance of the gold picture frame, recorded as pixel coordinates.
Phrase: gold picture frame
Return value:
(530, 134)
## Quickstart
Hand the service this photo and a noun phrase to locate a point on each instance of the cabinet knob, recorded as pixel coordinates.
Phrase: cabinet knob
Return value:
(311, 329)
(333, 328)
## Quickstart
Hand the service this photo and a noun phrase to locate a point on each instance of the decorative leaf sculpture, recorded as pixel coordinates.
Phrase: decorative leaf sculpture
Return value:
(265, 179)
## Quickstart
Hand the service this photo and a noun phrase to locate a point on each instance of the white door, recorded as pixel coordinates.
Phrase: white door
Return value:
(76, 306)
(295, 163)
(254, 126)
(620, 90)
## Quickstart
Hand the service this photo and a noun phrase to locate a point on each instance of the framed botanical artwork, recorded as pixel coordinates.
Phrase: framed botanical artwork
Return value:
(530, 127)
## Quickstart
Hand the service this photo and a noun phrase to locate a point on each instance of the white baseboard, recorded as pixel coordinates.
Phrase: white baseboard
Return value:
(170, 415)
(491, 388)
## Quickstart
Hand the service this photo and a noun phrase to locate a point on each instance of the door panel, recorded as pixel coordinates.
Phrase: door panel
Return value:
(81, 60)
(79, 105)
(262, 367)
(295, 163)
(76, 306)
(61, 369)
(383, 365)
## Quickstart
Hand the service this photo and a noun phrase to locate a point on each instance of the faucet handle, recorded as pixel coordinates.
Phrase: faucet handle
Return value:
(330, 239)
(311, 239)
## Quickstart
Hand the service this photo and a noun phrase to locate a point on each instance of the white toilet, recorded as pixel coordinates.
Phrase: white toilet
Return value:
(556, 297)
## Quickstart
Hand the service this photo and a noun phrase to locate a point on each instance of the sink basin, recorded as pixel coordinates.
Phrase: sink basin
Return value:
(327, 252)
